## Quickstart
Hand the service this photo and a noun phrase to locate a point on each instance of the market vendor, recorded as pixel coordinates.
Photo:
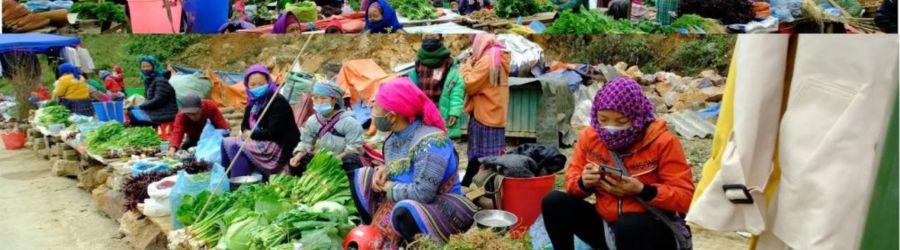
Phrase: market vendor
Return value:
(114, 88)
(381, 18)
(437, 74)
(486, 75)
(468, 6)
(72, 90)
(287, 24)
(98, 92)
(574, 5)
(417, 191)
(191, 119)
(656, 171)
(270, 137)
(160, 104)
(332, 128)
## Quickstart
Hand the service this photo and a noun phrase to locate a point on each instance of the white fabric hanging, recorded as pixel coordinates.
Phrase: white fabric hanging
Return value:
(760, 62)
(838, 109)
(70, 55)
(85, 60)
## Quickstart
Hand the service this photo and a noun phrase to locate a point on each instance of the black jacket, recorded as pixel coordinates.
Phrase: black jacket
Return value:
(277, 125)
(886, 16)
(160, 104)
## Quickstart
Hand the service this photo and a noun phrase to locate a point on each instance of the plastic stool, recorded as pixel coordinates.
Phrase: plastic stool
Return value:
(164, 129)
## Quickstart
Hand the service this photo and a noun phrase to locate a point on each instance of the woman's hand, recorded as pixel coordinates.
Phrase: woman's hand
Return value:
(627, 186)
(590, 176)
(295, 161)
(380, 179)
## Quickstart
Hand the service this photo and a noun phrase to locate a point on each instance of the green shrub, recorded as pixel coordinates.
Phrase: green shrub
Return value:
(162, 47)
(711, 52)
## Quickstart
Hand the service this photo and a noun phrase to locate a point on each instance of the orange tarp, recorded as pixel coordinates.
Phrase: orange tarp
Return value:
(361, 79)
(225, 95)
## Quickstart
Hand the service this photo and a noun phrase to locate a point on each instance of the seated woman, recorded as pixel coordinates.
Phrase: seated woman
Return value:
(381, 18)
(418, 190)
(656, 171)
(98, 92)
(286, 24)
(331, 128)
(73, 91)
(160, 105)
(114, 90)
(270, 137)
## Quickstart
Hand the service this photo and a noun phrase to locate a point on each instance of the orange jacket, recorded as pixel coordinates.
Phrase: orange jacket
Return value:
(489, 103)
(656, 160)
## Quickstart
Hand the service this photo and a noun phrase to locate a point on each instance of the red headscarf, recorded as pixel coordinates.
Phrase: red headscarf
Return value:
(402, 97)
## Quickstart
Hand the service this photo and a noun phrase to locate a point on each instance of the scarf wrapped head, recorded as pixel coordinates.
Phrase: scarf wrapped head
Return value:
(68, 68)
(402, 97)
(433, 58)
(286, 19)
(388, 18)
(118, 69)
(104, 74)
(158, 69)
(622, 95)
(331, 90)
(257, 104)
(488, 45)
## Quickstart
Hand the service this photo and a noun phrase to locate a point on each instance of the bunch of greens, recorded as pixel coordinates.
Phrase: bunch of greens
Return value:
(727, 11)
(414, 9)
(591, 22)
(518, 8)
(107, 11)
(695, 23)
(139, 137)
(103, 138)
(54, 115)
(316, 211)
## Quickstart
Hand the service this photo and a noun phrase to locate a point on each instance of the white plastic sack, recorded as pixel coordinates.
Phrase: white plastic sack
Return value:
(525, 54)
(187, 84)
(584, 101)
(158, 203)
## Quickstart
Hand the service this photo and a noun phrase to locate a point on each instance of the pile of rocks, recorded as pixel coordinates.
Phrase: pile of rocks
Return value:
(672, 93)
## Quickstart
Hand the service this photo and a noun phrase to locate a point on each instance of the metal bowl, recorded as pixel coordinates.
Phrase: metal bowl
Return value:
(238, 181)
(498, 220)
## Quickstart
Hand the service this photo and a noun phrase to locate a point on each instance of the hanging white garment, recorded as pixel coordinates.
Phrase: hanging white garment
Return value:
(838, 109)
(70, 55)
(85, 60)
(747, 159)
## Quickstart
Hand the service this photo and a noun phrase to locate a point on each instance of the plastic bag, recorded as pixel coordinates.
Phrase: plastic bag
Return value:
(524, 53)
(190, 84)
(305, 11)
(158, 203)
(188, 184)
(296, 84)
(209, 148)
(143, 167)
(786, 10)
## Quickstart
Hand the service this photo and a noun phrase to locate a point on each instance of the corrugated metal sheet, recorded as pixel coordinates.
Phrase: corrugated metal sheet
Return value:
(688, 123)
(524, 99)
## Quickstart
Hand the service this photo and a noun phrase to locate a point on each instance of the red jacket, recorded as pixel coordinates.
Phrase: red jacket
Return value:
(184, 125)
(656, 160)
(112, 85)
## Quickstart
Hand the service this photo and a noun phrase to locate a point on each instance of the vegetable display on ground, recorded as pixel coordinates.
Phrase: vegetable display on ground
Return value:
(112, 140)
(414, 9)
(518, 8)
(54, 115)
(591, 22)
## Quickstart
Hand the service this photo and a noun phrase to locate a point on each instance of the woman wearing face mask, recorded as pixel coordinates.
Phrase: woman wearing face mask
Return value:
(73, 91)
(269, 138)
(381, 18)
(622, 121)
(486, 75)
(417, 191)
(332, 127)
(160, 104)
(437, 74)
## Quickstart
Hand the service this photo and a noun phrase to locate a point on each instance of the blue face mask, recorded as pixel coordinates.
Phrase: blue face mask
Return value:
(323, 108)
(259, 91)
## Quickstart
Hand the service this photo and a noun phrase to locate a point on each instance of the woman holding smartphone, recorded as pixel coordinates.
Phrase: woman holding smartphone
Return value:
(623, 133)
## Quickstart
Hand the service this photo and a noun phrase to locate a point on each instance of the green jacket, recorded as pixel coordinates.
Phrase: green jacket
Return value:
(452, 97)
(572, 4)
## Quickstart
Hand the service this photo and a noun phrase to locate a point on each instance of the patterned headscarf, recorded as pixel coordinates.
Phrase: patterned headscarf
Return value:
(258, 103)
(158, 69)
(388, 18)
(622, 95)
(104, 74)
(401, 96)
(68, 68)
(331, 90)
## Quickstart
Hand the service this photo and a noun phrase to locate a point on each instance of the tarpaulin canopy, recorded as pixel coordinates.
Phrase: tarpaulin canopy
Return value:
(361, 79)
(35, 43)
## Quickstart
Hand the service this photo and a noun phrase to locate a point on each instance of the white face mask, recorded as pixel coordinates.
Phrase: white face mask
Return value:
(614, 129)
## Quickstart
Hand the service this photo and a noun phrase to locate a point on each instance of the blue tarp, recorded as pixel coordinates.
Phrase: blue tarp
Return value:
(230, 78)
(35, 43)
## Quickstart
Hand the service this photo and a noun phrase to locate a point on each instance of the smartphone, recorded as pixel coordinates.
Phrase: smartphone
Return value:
(614, 173)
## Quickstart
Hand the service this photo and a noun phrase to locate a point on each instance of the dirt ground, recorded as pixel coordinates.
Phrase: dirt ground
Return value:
(41, 211)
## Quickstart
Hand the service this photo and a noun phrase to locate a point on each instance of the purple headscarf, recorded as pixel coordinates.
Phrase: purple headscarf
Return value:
(257, 104)
(286, 19)
(622, 95)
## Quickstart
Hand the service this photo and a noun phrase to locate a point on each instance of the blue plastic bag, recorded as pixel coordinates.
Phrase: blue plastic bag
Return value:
(538, 27)
(144, 167)
(210, 145)
(187, 184)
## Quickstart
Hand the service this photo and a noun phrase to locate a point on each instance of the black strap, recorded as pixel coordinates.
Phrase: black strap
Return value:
(683, 243)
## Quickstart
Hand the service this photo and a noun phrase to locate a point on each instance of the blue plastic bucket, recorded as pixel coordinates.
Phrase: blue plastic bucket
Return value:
(109, 111)
(205, 16)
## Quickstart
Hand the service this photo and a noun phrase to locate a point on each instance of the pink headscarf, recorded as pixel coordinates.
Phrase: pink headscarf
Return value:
(483, 44)
(402, 97)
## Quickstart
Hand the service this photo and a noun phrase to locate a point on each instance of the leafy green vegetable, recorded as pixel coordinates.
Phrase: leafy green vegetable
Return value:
(591, 22)
(414, 9)
(112, 135)
(101, 11)
(518, 8)
(54, 115)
